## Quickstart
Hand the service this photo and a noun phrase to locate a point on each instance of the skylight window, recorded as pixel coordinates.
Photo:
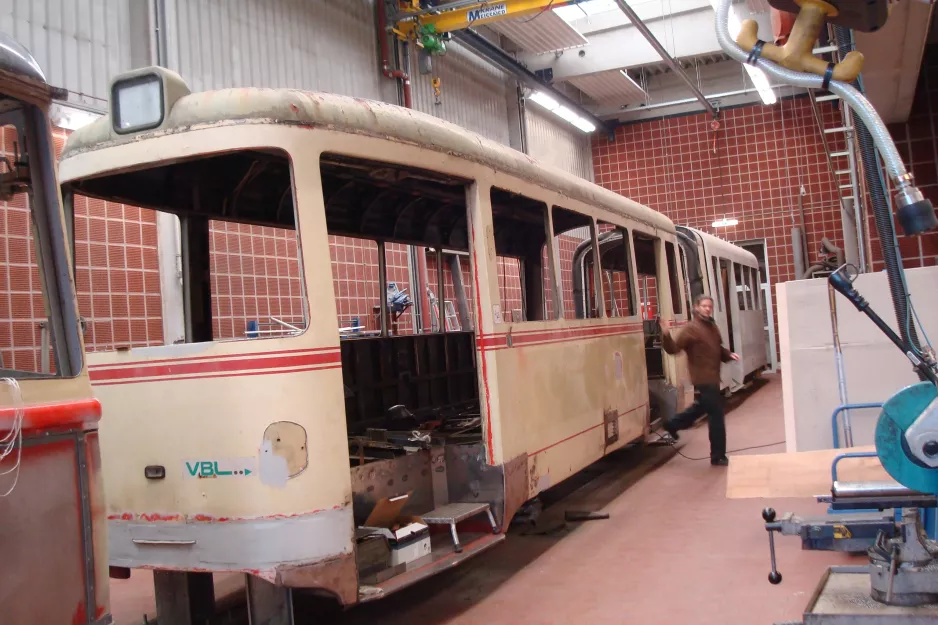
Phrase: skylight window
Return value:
(585, 8)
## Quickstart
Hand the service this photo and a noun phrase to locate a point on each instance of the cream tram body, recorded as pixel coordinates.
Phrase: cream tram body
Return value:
(730, 275)
(281, 495)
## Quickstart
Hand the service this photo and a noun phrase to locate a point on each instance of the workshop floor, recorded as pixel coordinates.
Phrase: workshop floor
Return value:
(674, 550)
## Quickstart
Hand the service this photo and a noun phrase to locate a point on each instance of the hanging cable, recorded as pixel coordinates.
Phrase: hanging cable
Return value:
(13, 440)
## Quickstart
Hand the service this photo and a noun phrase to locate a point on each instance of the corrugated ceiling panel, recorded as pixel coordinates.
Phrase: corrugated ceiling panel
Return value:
(80, 44)
(612, 88)
(318, 46)
(553, 141)
(473, 92)
(542, 33)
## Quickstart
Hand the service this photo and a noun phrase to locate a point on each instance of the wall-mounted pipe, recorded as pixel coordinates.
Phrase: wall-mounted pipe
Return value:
(643, 29)
(404, 77)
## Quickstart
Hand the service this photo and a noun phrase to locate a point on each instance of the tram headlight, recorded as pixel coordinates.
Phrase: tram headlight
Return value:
(137, 103)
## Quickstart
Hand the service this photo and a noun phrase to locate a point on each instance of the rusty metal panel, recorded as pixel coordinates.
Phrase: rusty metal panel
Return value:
(41, 539)
(80, 44)
(474, 92)
(315, 46)
(390, 478)
(553, 141)
(472, 480)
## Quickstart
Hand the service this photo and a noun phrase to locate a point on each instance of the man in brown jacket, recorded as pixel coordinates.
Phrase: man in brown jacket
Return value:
(703, 344)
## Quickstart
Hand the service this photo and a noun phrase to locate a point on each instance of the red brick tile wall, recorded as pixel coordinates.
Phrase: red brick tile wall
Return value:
(751, 167)
(255, 275)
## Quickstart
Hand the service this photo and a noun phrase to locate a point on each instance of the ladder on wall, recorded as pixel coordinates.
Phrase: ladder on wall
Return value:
(842, 157)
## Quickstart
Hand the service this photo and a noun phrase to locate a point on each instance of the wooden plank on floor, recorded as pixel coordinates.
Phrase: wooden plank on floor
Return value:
(797, 474)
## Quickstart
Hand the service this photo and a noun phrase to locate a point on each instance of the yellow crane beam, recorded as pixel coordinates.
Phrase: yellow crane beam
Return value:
(473, 15)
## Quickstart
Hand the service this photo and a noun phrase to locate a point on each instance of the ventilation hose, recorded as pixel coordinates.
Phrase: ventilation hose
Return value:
(872, 133)
(881, 213)
(857, 102)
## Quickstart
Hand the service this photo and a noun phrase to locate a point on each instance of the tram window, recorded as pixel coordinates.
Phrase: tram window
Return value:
(231, 215)
(646, 267)
(573, 240)
(33, 337)
(673, 278)
(740, 286)
(520, 232)
(717, 294)
(616, 260)
(687, 294)
(749, 289)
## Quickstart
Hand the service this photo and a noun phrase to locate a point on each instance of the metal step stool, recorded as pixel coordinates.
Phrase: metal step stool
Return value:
(453, 513)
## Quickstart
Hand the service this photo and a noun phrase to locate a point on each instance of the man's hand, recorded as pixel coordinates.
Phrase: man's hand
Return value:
(734, 356)
(665, 325)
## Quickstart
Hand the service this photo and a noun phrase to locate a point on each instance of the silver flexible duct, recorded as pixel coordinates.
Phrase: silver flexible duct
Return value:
(851, 96)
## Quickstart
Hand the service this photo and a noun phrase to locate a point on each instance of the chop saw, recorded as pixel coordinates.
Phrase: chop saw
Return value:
(900, 582)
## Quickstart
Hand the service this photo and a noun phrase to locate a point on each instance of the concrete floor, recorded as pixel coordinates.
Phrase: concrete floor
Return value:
(674, 550)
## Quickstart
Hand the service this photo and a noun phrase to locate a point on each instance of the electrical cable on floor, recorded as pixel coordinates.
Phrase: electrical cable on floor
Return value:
(731, 451)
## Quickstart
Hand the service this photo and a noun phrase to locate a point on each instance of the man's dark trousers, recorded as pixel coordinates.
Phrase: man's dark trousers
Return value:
(709, 402)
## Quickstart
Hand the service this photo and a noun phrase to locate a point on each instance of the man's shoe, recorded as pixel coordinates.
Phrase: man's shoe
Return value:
(670, 429)
(720, 462)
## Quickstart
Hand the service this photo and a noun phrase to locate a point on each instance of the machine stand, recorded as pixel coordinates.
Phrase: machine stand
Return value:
(268, 604)
(184, 598)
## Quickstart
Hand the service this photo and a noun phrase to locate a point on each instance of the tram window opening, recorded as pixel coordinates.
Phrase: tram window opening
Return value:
(688, 299)
(416, 213)
(34, 338)
(616, 260)
(725, 275)
(673, 278)
(394, 230)
(574, 235)
(226, 224)
(740, 286)
(717, 292)
(519, 226)
(749, 303)
(646, 266)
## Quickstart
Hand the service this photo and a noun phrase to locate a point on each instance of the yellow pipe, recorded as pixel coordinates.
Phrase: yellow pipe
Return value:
(478, 14)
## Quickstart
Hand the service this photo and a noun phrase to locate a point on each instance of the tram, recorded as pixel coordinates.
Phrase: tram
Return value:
(709, 266)
(347, 451)
(53, 533)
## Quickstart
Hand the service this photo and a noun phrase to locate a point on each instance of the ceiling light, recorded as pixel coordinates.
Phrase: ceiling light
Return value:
(564, 113)
(723, 223)
(584, 125)
(758, 77)
(561, 111)
(544, 100)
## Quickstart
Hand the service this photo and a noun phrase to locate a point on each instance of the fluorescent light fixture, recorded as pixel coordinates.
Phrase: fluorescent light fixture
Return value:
(544, 100)
(585, 9)
(69, 118)
(756, 75)
(584, 125)
(723, 223)
(562, 112)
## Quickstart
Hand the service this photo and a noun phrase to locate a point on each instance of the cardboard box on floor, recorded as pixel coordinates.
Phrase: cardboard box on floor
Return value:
(798, 474)
(407, 535)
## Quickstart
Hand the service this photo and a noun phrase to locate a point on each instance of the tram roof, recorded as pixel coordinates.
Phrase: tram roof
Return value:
(722, 247)
(364, 117)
